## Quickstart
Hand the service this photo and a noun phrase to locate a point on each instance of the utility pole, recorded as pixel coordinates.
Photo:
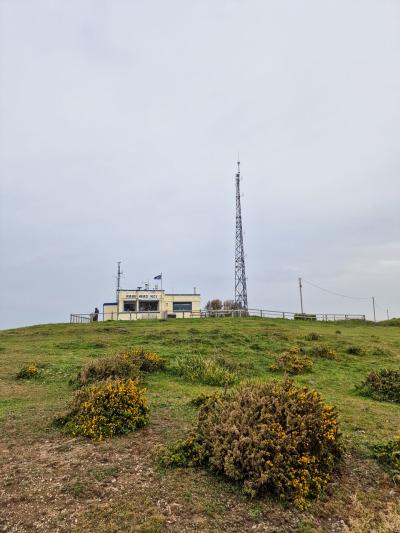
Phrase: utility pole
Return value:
(240, 270)
(119, 274)
(301, 296)
(387, 314)
(373, 307)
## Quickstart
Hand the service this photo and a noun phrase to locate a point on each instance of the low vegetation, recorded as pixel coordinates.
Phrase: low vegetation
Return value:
(197, 368)
(382, 385)
(293, 362)
(271, 437)
(70, 482)
(389, 456)
(28, 372)
(355, 350)
(107, 368)
(324, 351)
(146, 361)
(203, 398)
(124, 365)
(312, 336)
(106, 409)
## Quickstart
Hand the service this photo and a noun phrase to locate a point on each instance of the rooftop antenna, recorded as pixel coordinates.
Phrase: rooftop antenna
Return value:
(240, 270)
(119, 274)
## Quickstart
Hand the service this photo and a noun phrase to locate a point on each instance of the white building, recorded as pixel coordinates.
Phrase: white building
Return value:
(152, 303)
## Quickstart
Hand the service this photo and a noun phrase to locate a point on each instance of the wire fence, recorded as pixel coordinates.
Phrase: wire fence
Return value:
(83, 318)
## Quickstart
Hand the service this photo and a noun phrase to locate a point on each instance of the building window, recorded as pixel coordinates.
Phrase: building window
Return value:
(148, 305)
(130, 307)
(182, 306)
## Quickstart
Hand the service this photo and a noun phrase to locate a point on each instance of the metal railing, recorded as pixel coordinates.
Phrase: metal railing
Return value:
(79, 318)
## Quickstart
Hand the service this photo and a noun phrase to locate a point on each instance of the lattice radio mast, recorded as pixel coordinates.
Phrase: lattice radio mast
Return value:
(119, 274)
(240, 270)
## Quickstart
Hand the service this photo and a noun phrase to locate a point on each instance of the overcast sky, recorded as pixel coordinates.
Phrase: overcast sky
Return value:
(120, 125)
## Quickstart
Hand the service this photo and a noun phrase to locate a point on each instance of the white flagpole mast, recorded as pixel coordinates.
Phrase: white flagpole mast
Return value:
(161, 280)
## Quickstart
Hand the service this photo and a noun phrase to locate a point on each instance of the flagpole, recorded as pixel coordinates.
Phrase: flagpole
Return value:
(161, 280)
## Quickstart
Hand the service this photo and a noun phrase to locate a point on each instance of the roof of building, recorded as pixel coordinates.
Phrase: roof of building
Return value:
(162, 290)
(141, 290)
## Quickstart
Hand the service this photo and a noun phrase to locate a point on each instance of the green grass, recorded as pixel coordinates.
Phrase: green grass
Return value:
(247, 346)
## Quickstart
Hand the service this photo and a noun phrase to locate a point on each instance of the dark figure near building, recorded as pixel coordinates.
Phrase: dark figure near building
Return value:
(96, 315)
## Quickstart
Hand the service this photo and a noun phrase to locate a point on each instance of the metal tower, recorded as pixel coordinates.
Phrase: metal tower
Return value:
(240, 270)
(118, 278)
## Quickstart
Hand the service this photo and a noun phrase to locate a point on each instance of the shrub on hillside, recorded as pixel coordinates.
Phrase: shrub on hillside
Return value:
(204, 397)
(146, 361)
(28, 372)
(355, 349)
(270, 437)
(322, 350)
(292, 362)
(196, 368)
(106, 409)
(382, 385)
(312, 336)
(107, 368)
(389, 456)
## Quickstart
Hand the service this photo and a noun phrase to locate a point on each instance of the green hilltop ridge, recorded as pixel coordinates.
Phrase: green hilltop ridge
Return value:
(119, 485)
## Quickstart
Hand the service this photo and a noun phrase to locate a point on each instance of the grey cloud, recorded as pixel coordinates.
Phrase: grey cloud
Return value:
(120, 123)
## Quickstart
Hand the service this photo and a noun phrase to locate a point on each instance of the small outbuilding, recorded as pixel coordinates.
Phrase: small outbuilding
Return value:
(152, 303)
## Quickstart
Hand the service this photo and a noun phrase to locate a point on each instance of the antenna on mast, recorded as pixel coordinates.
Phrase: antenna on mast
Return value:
(240, 270)
(119, 274)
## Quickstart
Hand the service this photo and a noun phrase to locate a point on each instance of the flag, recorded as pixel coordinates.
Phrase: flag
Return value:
(158, 277)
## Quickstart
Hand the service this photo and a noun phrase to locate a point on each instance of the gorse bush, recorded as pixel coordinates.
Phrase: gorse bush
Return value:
(292, 362)
(127, 364)
(196, 368)
(146, 361)
(321, 350)
(107, 368)
(203, 398)
(389, 456)
(106, 409)
(270, 437)
(28, 372)
(355, 349)
(382, 385)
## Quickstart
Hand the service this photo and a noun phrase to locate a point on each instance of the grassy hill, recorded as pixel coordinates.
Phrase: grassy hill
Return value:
(51, 481)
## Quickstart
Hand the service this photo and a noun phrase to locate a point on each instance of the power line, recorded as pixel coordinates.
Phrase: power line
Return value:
(374, 303)
(337, 293)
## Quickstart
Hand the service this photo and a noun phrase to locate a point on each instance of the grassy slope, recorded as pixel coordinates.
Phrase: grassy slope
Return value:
(27, 408)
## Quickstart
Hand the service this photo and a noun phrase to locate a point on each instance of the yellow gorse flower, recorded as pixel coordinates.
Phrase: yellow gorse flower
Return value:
(108, 408)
